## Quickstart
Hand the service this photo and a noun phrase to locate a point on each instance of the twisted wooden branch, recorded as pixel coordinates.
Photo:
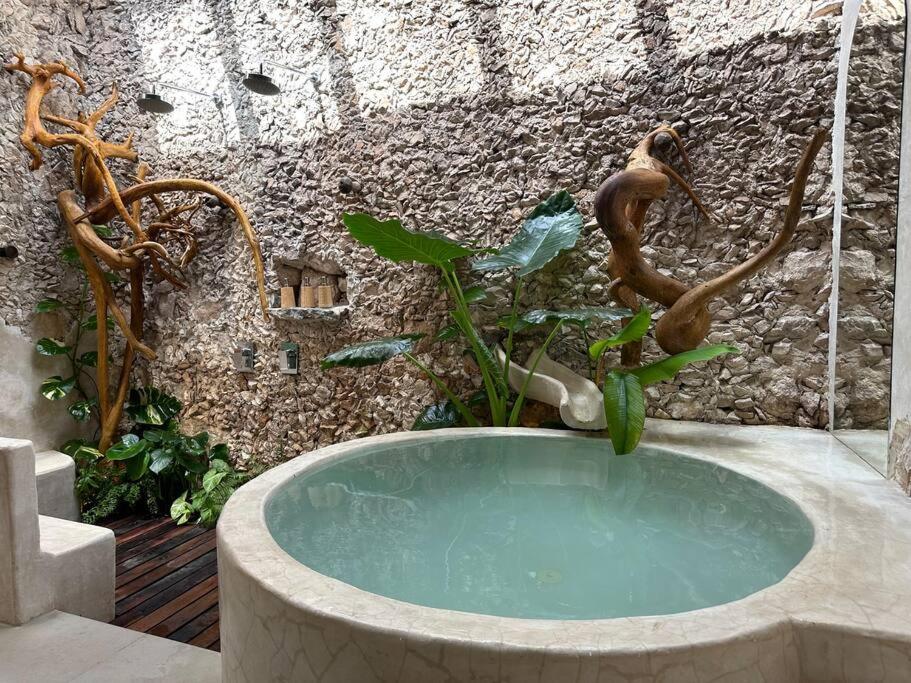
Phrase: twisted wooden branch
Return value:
(621, 204)
(103, 202)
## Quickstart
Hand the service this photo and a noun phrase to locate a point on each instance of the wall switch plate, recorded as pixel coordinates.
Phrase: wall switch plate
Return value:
(289, 358)
(244, 357)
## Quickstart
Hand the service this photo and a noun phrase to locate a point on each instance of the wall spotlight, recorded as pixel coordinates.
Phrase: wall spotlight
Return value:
(154, 103)
(261, 84)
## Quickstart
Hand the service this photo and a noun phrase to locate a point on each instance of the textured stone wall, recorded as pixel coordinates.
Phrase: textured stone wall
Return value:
(28, 220)
(461, 116)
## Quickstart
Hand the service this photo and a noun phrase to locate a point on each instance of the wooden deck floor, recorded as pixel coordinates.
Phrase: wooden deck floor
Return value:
(167, 580)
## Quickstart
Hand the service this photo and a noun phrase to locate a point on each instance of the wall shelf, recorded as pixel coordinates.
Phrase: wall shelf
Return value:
(333, 314)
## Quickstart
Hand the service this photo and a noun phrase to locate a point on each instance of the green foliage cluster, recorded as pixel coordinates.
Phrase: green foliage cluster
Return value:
(552, 227)
(154, 467)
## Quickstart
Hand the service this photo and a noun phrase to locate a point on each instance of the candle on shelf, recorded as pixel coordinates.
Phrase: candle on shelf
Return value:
(287, 297)
(324, 293)
(308, 295)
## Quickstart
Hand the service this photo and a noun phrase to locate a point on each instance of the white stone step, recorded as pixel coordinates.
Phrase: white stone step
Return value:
(55, 474)
(58, 648)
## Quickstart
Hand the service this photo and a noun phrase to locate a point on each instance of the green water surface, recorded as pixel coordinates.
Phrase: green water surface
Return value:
(540, 528)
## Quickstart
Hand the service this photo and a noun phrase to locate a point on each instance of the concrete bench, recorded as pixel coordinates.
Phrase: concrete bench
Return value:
(47, 563)
(56, 479)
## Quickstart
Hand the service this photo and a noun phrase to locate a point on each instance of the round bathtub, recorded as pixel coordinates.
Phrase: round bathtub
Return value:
(497, 554)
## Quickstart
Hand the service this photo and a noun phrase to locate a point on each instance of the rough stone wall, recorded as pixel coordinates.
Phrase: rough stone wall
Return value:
(461, 116)
(867, 270)
(28, 220)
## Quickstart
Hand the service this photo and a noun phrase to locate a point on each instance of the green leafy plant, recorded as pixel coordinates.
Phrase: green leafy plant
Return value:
(80, 318)
(624, 398)
(552, 227)
(154, 466)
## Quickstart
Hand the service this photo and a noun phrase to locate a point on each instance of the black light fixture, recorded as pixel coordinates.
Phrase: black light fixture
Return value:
(261, 84)
(154, 103)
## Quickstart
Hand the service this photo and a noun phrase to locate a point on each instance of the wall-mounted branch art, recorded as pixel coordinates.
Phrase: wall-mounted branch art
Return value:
(621, 205)
(159, 236)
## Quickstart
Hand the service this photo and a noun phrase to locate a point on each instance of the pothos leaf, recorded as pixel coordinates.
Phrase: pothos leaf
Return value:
(48, 305)
(52, 347)
(54, 388)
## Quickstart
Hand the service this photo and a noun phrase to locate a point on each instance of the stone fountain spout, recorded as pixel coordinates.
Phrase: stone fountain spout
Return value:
(578, 399)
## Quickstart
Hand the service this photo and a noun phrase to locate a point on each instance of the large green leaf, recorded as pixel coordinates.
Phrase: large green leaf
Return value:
(668, 368)
(138, 465)
(371, 352)
(161, 458)
(151, 406)
(582, 317)
(52, 347)
(54, 388)
(396, 243)
(553, 226)
(634, 330)
(48, 305)
(437, 416)
(624, 409)
(129, 445)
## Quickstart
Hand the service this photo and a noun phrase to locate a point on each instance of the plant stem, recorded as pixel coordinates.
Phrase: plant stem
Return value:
(517, 406)
(461, 407)
(512, 324)
(463, 320)
(587, 342)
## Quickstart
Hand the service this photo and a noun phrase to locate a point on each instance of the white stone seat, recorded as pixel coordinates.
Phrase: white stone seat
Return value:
(79, 561)
(56, 479)
(47, 563)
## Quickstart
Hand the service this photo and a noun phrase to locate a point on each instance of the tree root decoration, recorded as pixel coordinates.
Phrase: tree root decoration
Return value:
(621, 204)
(102, 202)
(106, 210)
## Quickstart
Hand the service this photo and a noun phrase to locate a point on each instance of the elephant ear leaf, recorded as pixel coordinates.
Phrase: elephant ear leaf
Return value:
(553, 226)
(582, 317)
(667, 368)
(371, 352)
(634, 330)
(391, 240)
(624, 410)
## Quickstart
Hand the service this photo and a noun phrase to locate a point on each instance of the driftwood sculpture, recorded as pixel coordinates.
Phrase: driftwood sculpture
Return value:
(621, 204)
(160, 236)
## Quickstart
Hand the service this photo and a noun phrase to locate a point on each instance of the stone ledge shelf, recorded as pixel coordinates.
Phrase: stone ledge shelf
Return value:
(334, 314)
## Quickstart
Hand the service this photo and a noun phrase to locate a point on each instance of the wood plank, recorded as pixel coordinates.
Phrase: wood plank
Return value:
(144, 623)
(207, 637)
(164, 569)
(160, 526)
(195, 627)
(156, 595)
(191, 611)
(157, 546)
(140, 531)
(167, 580)
(168, 555)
